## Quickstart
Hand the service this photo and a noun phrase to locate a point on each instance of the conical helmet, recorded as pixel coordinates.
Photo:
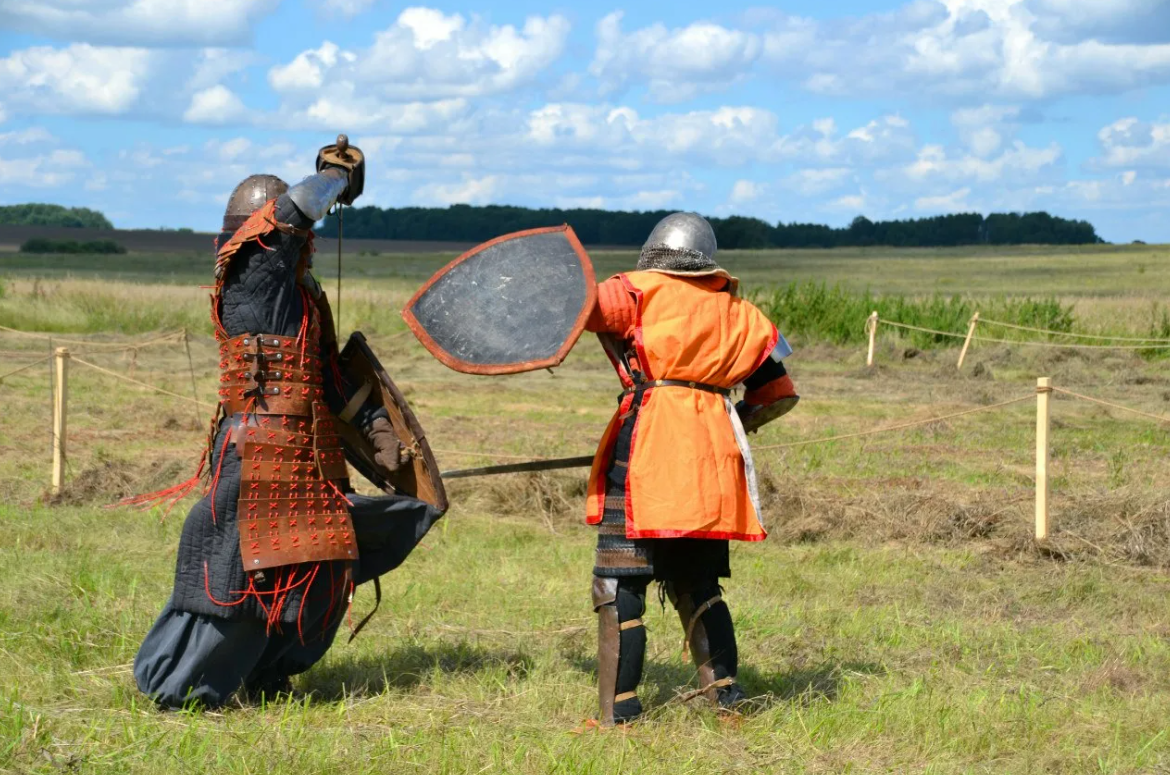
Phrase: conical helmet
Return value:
(250, 196)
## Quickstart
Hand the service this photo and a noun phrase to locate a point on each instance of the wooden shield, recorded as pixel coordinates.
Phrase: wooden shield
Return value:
(420, 477)
(517, 303)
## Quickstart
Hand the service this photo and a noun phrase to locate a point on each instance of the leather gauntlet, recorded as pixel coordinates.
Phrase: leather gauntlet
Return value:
(390, 451)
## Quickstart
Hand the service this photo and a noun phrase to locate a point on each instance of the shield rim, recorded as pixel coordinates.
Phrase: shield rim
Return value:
(460, 365)
(358, 340)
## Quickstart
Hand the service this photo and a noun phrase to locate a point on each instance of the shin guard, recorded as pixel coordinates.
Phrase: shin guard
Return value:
(621, 647)
(709, 636)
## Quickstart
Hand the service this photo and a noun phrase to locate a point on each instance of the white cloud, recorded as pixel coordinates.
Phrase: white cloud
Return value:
(213, 65)
(1020, 160)
(852, 202)
(467, 191)
(1128, 177)
(953, 202)
(307, 70)
(341, 107)
(217, 105)
(138, 22)
(812, 182)
(97, 182)
(28, 164)
(962, 49)
(677, 64)
(427, 55)
(347, 8)
(232, 149)
(1130, 142)
(726, 135)
(982, 129)
(77, 79)
(745, 191)
(1109, 20)
(27, 137)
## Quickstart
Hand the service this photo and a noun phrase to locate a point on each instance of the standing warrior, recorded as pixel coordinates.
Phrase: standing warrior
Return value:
(269, 557)
(673, 479)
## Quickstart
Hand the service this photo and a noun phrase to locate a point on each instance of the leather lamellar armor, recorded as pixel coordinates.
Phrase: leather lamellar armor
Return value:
(291, 508)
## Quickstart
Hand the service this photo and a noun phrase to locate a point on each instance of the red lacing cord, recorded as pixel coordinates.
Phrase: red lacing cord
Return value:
(304, 597)
(218, 469)
(207, 589)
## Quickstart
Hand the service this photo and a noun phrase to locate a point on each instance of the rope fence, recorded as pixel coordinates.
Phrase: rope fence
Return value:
(25, 367)
(105, 347)
(1044, 390)
(140, 383)
(873, 321)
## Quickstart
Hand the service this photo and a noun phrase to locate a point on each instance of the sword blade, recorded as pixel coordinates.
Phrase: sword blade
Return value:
(516, 468)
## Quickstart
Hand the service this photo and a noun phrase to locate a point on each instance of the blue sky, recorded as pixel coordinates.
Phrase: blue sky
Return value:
(152, 110)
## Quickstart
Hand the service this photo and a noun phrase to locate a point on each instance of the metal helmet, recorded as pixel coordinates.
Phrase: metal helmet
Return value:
(250, 196)
(681, 243)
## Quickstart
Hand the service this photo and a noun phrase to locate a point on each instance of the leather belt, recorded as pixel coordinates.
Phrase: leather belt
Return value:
(642, 387)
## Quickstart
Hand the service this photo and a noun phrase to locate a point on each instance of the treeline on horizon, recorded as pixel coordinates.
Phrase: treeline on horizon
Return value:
(36, 214)
(467, 223)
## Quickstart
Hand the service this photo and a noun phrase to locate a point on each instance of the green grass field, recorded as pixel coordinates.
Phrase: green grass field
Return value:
(899, 619)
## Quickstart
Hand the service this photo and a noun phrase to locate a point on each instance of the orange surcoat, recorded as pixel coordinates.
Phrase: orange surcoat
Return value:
(689, 470)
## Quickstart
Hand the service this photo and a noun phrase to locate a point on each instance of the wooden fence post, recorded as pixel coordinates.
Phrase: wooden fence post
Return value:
(60, 404)
(872, 325)
(1043, 393)
(967, 341)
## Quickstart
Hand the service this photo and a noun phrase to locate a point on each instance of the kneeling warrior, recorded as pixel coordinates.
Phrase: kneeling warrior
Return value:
(673, 479)
(269, 557)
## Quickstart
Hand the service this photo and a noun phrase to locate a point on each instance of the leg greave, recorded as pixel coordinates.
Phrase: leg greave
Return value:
(621, 646)
(709, 635)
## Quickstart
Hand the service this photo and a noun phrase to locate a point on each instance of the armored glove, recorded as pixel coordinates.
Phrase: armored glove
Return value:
(390, 451)
(755, 417)
(349, 158)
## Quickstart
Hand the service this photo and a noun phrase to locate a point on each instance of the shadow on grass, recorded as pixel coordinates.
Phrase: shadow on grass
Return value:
(663, 681)
(406, 668)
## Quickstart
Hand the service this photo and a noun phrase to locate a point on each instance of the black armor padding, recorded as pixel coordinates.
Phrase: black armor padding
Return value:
(631, 604)
(717, 622)
(770, 370)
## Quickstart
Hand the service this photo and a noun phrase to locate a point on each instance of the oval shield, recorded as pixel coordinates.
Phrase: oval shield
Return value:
(514, 304)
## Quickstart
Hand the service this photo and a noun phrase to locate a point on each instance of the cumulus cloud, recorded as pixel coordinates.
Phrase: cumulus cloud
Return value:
(677, 64)
(1124, 21)
(341, 107)
(35, 134)
(468, 191)
(216, 105)
(745, 191)
(813, 182)
(213, 65)
(77, 79)
(982, 129)
(1130, 142)
(307, 70)
(729, 136)
(428, 55)
(953, 49)
(1019, 160)
(138, 22)
(953, 202)
(347, 8)
(32, 158)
